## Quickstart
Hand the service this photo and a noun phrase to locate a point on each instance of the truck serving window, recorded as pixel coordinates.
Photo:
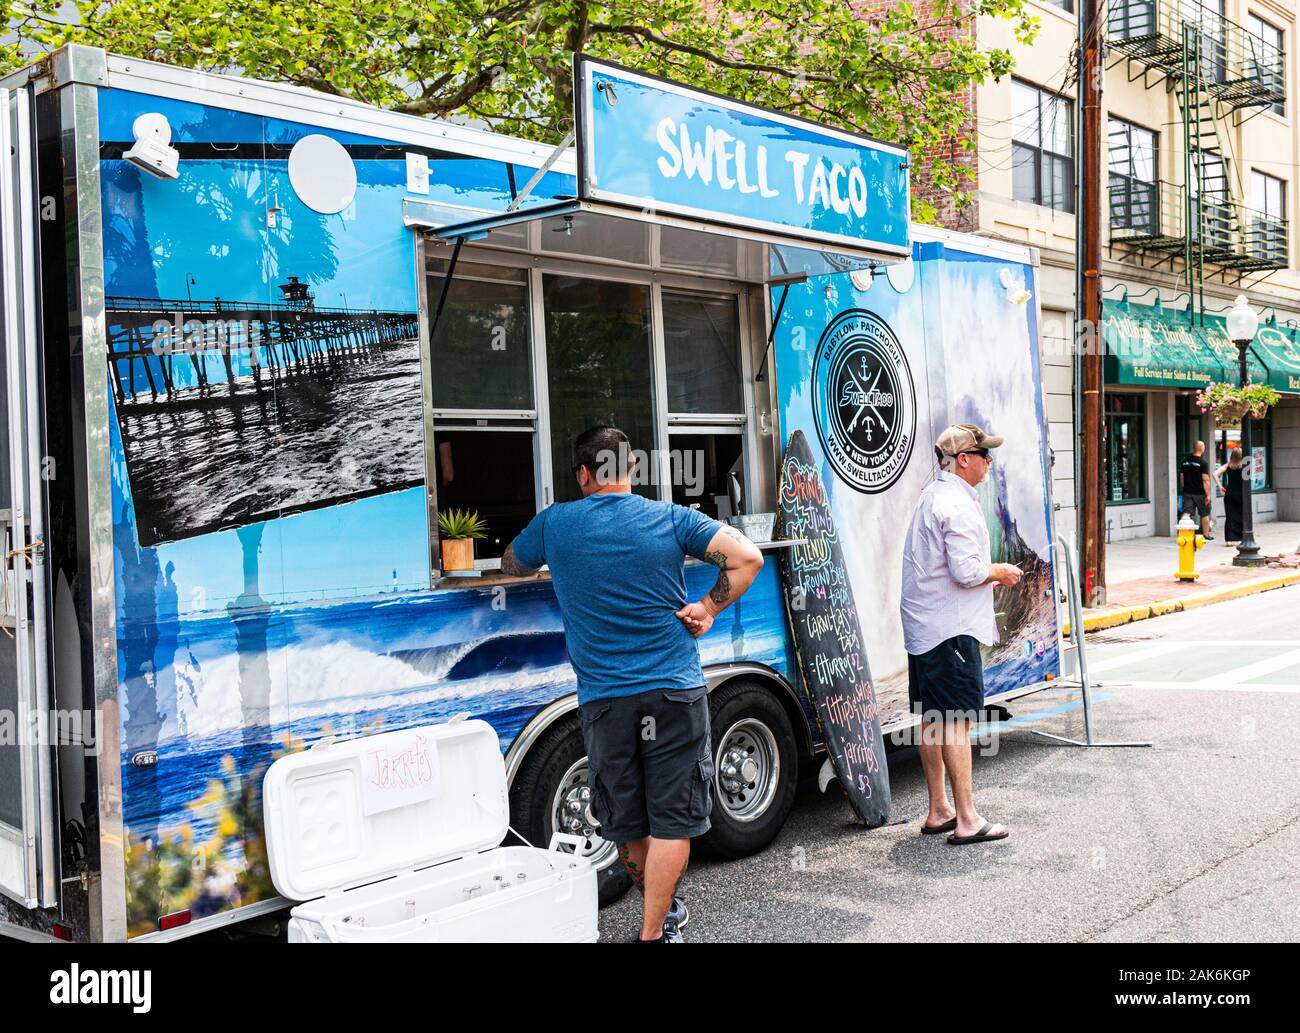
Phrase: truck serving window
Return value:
(525, 355)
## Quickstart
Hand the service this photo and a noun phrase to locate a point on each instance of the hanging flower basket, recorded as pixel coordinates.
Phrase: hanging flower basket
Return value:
(1230, 403)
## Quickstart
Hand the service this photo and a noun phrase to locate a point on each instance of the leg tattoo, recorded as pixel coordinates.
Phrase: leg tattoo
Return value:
(633, 869)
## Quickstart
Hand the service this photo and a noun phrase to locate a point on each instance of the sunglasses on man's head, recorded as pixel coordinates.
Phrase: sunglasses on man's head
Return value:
(983, 453)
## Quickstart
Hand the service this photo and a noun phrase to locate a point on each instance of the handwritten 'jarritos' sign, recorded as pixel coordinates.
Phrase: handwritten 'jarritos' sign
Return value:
(828, 636)
(402, 770)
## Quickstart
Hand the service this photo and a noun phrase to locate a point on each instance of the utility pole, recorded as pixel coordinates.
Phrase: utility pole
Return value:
(1092, 492)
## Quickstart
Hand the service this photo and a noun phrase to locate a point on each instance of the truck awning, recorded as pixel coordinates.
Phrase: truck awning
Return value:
(606, 232)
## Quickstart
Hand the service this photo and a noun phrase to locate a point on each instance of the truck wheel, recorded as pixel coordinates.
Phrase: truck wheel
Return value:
(756, 764)
(550, 793)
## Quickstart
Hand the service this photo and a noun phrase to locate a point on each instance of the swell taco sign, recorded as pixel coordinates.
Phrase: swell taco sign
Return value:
(864, 401)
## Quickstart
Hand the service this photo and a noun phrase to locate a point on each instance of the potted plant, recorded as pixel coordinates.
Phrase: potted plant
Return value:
(457, 529)
(1230, 403)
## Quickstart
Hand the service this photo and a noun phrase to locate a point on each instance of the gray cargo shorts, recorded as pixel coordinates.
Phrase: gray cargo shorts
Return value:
(650, 764)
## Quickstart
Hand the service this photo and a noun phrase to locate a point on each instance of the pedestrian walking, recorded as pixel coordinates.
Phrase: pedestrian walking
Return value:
(1229, 476)
(1194, 479)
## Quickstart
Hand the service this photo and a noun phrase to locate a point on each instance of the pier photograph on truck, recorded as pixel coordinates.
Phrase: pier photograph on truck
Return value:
(258, 366)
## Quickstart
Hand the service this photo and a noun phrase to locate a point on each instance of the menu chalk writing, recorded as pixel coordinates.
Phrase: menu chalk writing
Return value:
(828, 636)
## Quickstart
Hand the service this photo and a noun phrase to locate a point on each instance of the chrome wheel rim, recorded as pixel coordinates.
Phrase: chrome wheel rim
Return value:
(571, 813)
(747, 770)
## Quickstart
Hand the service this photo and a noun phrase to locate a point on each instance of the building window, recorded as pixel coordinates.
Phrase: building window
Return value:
(1042, 149)
(1264, 59)
(1126, 448)
(1134, 204)
(1064, 5)
(1268, 228)
(1131, 19)
(1189, 426)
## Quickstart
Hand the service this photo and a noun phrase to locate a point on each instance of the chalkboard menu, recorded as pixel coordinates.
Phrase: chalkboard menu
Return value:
(828, 637)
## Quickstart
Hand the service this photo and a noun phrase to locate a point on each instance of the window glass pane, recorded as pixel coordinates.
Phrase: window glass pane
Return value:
(1024, 114)
(597, 367)
(1058, 135)
(480, 351)
(491, 473)
(1058, 183)
(702, 347)
(703, 469)
(1125, 452)
(1144, 154)
(1024, 173)
(1121, 157)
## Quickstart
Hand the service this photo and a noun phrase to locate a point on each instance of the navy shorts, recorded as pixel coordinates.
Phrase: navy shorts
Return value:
(650, 764)
(947, 680)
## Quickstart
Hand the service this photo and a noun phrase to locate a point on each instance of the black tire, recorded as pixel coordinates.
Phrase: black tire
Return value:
(533, 794)
(743, 704)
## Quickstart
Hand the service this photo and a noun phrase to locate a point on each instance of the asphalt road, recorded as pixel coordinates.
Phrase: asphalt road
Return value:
(1194, 839)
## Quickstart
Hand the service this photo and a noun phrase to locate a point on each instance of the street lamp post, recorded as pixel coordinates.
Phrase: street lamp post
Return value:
(1243, 321)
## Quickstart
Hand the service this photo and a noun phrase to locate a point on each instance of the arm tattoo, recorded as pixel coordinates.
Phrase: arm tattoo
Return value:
(511, 567)
(721, 591)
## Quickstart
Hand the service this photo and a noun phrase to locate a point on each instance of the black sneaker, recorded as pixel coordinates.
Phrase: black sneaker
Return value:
(1209, 537)
(671, 934)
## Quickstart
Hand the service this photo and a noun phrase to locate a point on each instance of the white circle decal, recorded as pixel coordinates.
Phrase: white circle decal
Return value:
(322, 174)
(901, 275)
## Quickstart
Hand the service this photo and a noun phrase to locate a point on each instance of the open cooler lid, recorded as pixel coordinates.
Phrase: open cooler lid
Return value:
(343, 814)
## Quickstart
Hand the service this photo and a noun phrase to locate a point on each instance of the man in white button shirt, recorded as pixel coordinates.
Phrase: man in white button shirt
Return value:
(947, 612)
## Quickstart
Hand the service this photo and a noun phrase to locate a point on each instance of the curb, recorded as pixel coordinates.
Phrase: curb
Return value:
(1113, 618)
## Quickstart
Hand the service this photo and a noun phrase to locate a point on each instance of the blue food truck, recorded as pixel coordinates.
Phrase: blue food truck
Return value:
(261, 342)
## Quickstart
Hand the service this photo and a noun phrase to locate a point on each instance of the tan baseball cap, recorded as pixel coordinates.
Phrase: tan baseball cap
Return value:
(963, 437)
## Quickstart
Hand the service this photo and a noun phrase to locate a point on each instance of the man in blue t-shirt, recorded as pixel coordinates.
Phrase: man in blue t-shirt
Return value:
(616, 562)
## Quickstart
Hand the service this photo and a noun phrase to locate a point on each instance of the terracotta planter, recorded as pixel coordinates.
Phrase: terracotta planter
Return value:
(457, 554)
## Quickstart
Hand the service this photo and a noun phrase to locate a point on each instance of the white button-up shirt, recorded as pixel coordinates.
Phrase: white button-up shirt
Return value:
(945, 567)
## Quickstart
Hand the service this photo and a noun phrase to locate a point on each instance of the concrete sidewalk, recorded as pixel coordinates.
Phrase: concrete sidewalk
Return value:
(1140, 575)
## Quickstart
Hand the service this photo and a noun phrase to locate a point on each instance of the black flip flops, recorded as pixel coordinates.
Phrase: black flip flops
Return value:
(934, 830)
(982, 836)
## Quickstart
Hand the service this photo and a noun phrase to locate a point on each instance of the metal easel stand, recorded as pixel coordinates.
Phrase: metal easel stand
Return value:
(1068, 561)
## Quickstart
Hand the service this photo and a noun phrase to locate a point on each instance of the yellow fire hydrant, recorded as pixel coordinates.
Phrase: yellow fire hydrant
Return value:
(1189, 540)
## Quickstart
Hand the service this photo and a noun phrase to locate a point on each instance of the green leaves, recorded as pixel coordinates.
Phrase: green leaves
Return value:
(899, 73)
(461, 523)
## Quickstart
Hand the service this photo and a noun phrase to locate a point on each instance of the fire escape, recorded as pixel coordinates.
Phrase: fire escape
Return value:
(1220, 75)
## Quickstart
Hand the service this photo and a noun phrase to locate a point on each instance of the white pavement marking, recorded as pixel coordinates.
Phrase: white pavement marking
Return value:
(1135, 657)
(1259, 668)
(1201, 686)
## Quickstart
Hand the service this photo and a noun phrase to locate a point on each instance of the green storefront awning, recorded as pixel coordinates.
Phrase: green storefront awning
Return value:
(1150, 347)
(1280, 352)
(1215, 333)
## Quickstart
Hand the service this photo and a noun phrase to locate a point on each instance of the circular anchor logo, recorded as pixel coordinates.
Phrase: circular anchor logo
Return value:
(864, 401)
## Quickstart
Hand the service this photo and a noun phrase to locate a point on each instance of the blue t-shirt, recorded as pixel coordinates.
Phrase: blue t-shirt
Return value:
(617, 567)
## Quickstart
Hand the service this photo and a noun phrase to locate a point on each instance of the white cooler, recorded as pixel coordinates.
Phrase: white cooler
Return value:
(393, 838)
